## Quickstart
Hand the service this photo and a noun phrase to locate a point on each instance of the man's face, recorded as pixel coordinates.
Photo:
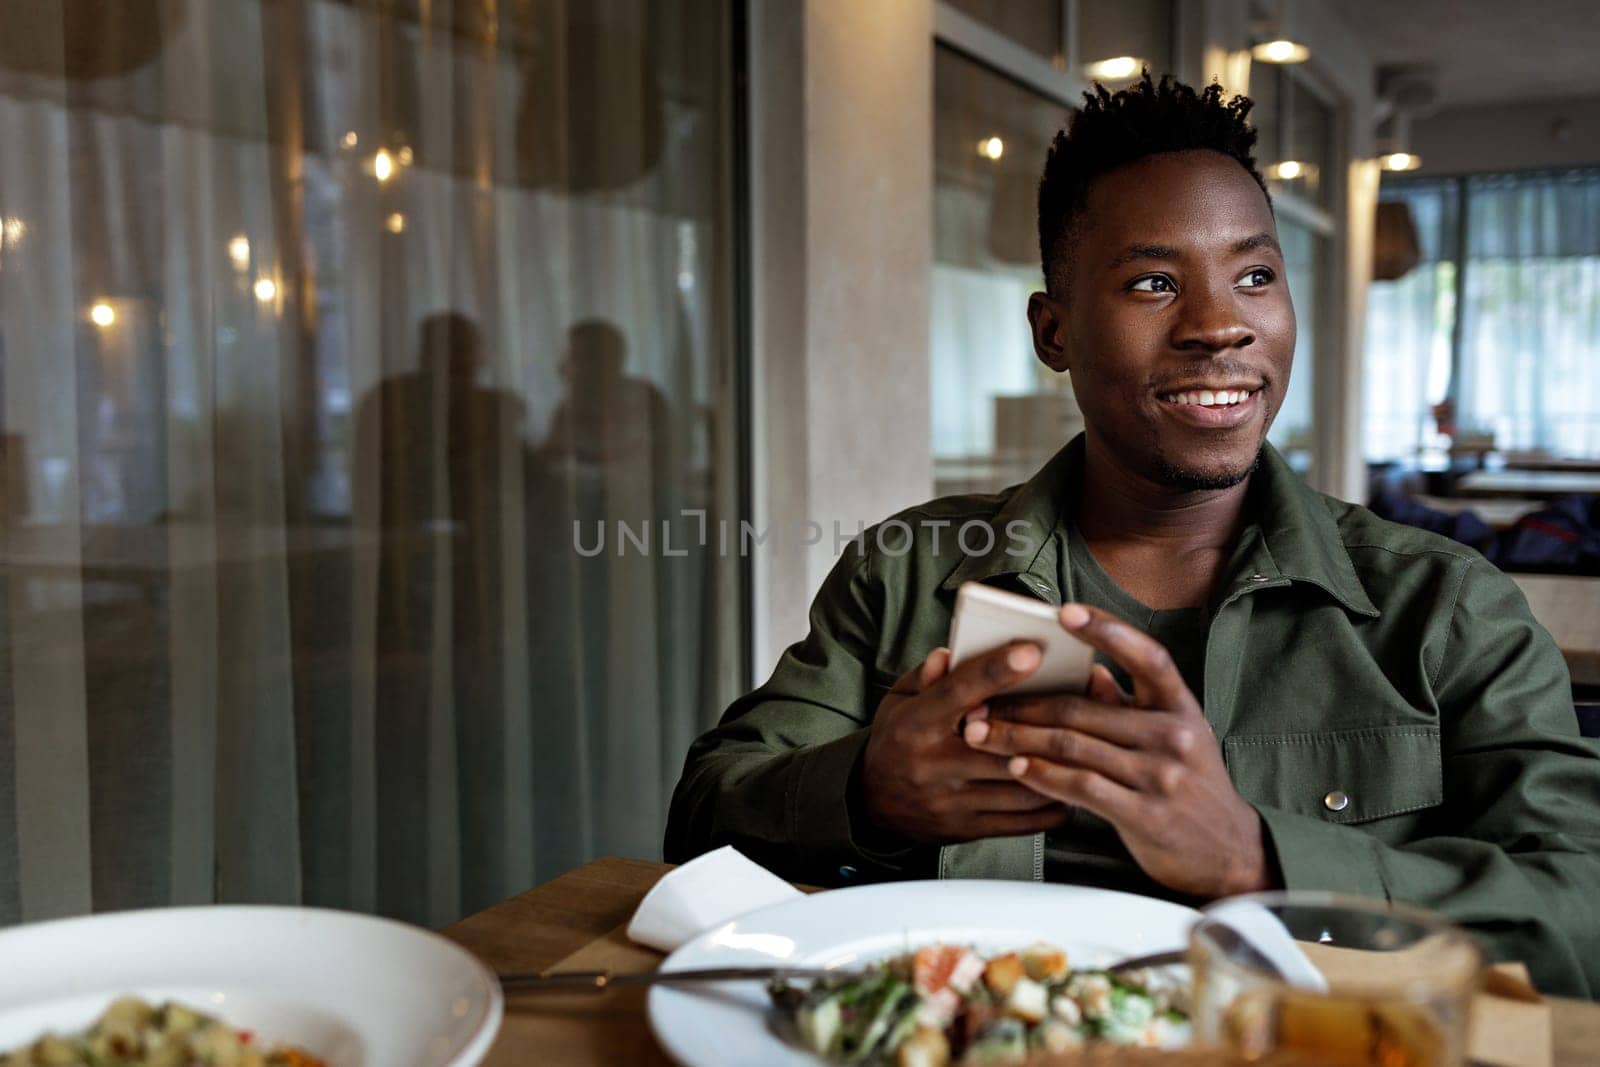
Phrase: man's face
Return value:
(1176, 291)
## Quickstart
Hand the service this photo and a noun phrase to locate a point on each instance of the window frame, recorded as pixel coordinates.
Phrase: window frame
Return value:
(957, 30)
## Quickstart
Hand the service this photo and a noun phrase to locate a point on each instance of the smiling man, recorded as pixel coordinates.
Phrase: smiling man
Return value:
(1291, 692)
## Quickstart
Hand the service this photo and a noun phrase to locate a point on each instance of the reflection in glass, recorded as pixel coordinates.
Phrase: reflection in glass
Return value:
(1294, 430)
(323, 325)
(997, 412)
(1294, 127)
(1141, 29)
(1408, 328)
(1034, 24)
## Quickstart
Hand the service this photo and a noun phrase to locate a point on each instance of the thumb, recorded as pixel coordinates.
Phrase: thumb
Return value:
(936, 666)
(923, 674)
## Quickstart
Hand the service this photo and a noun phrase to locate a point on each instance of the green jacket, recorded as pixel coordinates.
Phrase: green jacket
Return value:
(1345, 653)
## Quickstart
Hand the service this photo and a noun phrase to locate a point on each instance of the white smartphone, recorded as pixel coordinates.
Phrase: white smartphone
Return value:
(986, 618)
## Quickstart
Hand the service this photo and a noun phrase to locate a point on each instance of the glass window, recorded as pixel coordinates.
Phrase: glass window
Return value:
(1111, 29)
(1294, 134)
(1310, 137)
(357, 365)
(997, 411)
(1409, 321)
(1530, 316)
(1034, 24)
(1294, 429)
(1523, 375)
(1265, 83)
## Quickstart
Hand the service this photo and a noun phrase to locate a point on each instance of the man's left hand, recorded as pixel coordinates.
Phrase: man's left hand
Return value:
(1147, 763)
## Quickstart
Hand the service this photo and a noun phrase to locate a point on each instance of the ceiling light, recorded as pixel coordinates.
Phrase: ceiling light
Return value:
(350, 140)
(1281, 51)
(102, 314)
(1287, 171)
(991, 148)
(383, 165)
(266, 290)
(396, 223)
(1115, 70)
(12, 231)
(405, 156)
(1400, 161)
(239, 252)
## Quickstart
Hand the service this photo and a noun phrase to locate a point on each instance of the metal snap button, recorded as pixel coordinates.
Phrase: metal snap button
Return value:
(1336, 800)
(847, 871)
(1259, 578)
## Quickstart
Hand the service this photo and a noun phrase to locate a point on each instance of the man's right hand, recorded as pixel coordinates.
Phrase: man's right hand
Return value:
(922, 781)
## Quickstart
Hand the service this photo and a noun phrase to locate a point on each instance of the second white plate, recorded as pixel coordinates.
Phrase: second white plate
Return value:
(352, 989)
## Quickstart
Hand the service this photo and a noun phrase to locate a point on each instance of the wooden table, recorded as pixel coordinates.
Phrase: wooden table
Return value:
(576, 922)
(1500, 513)
(1542, 484)
(1524, 461)
(1569, 607)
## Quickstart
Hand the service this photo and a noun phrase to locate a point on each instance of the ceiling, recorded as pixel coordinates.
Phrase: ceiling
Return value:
(1487, 51)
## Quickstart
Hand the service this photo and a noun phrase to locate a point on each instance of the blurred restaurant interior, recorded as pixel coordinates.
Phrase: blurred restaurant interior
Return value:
(333, 333)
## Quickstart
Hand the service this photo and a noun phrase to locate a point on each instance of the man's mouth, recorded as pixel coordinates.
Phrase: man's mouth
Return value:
(1218, 398)
(1225, 408)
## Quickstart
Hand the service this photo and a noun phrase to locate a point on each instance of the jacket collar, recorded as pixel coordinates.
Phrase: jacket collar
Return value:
(1027, 545)
(1299, 540)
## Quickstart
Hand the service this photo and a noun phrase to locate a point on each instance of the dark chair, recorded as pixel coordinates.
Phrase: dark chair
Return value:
(1588, 719)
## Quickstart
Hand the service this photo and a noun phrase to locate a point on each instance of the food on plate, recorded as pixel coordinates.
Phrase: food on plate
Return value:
(133, 1033)
(946, 1004)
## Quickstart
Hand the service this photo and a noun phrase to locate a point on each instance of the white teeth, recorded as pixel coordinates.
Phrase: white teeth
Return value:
(1210, 398)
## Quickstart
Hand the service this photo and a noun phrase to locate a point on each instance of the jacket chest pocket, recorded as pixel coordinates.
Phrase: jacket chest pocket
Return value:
(1341, 776)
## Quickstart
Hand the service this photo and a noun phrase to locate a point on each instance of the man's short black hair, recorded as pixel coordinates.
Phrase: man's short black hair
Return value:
(1111, 129)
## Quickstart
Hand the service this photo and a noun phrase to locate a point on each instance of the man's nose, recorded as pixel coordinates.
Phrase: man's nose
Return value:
(1210, 321)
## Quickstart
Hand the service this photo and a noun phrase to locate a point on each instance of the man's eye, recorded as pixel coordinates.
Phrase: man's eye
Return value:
(1153, 283)
(1255, 277)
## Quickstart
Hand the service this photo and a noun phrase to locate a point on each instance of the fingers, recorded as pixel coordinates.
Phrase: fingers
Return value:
(966, 767)
(1147, 731)
(1090, 790)
(1104, 688)
(979, 678)
(1156, 681)
(1067, 747)
(1007, 796)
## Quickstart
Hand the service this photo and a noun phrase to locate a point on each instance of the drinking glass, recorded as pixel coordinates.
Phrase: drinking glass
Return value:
(1399, 981)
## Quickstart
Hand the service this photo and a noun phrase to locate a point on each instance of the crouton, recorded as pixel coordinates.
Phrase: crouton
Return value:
(1002, 973)
(1044, 963)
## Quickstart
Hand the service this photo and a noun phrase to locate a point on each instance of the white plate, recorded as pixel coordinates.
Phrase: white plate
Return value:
(354, 990)
(728, 1023)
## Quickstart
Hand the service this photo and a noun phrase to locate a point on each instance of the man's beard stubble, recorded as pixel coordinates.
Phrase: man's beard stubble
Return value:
(1178, 477)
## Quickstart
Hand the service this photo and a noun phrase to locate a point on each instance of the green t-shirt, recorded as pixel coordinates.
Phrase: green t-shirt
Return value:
(1087, 850)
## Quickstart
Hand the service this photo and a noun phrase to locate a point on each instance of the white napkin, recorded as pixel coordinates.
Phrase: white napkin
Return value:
(705, 892)
(1267, 935)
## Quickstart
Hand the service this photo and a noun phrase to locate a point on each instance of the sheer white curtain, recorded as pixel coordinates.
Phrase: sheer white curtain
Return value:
(1530, 361)
(321, 325)
(1409, 322)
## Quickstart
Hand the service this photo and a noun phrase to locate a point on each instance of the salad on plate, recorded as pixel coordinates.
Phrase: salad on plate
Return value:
(948, 1004)
(134, 1033)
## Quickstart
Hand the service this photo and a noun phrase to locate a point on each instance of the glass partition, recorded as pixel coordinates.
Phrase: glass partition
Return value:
(368, 388)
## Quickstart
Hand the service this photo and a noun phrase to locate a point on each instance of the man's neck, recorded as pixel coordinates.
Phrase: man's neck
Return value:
(1119, 505)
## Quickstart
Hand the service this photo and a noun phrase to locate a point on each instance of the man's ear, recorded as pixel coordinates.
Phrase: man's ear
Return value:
(1048, 317)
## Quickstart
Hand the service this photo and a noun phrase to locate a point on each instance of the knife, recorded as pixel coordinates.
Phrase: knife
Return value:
(600, 981)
